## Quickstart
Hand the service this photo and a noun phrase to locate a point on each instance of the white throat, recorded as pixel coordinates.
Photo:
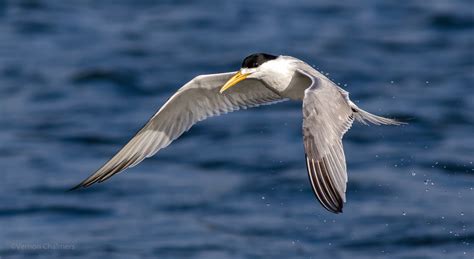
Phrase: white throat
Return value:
(276, 74)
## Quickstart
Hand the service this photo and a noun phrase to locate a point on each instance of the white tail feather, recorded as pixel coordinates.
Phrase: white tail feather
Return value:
(367, 117)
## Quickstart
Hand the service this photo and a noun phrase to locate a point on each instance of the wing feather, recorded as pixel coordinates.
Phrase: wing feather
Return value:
(195, 101)
(326, 117)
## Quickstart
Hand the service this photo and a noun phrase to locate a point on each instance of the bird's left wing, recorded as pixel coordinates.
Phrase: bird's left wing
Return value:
(195, 101)
(327, 115)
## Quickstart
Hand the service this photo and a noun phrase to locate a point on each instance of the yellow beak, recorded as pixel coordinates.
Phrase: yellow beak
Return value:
(233, 81)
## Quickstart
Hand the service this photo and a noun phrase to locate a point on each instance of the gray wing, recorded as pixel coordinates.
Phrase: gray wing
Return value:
(327, 115)
(195, 101)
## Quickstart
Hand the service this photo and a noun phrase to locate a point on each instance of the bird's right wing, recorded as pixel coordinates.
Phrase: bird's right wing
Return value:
(195, 101)
(327, 115)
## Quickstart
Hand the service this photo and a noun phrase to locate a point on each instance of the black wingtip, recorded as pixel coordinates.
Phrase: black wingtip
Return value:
(86, 183)
(81, 185)
(77, 187)
(335, 210)
(338, 211)
(327, 196)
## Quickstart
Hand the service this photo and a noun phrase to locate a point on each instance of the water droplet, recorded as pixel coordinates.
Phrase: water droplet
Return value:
(462, 213)
(391, 82)
(404, 213)
(413, 173)
(263, 197)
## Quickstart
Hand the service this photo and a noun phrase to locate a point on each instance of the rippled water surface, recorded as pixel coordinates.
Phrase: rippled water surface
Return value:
(78, 78)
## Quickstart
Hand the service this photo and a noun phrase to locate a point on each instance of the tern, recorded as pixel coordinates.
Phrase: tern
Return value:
(262, 79)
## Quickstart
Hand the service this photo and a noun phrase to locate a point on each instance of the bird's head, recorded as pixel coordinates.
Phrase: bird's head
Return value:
(258, 66)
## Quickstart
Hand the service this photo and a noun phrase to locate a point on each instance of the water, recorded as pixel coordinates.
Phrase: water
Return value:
(78, 79)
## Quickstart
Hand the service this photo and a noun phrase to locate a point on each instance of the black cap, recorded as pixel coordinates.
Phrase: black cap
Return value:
(256, 60)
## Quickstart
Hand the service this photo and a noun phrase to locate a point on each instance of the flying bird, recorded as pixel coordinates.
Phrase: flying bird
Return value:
(262, 79)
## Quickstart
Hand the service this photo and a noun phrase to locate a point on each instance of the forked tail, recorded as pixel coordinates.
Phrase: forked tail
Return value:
(367, 117)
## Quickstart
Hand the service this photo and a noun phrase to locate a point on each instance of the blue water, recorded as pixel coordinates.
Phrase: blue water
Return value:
(78, 78)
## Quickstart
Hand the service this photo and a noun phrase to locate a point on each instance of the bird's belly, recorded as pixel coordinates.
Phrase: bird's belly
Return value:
(295, 88)
(294, 93)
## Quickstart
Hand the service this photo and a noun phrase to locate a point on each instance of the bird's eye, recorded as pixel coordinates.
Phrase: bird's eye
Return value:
(255, 64)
